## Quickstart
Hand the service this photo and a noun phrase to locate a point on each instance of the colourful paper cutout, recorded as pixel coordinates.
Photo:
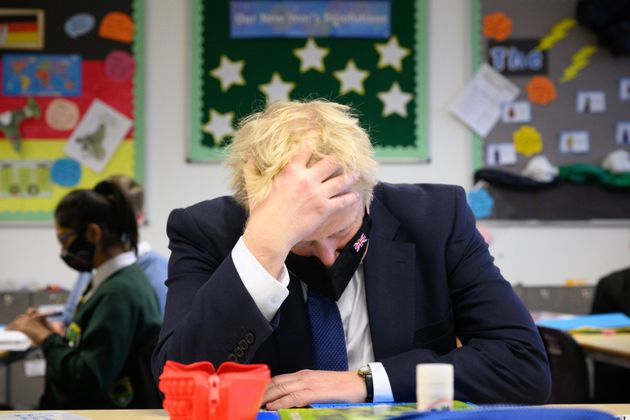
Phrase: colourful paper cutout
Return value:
(66, 172)
(311, 56)
(395, 101)
(624, 89)
(122, 162)
(277, 89)
(558, 33)
(481, 203)
(575, 142)
(579, 61)
(120, 65)
(591, 102)
(117, 26)
(41, 75)
(229, 73)
(541, 90)
(10, 122)
(527, 140)
(79, 24)
(62, 114)
(500, 154)
(351, 78)
(517, 57)
(497, 26)
(96, 137)
(219, 126)
(21, 29)
(622, 133)
(24, 179)
(391, 54)
(516, 112)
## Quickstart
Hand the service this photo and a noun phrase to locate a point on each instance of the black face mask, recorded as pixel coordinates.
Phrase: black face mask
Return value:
(79, 255)
(332, 281)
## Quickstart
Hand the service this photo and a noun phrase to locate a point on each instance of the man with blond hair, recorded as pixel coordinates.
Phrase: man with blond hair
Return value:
(339, 284)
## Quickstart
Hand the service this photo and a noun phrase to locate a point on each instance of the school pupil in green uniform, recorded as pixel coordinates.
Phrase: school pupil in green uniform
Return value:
(93, 365)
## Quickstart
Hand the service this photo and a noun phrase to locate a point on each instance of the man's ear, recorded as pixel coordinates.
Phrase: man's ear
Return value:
(93, 233)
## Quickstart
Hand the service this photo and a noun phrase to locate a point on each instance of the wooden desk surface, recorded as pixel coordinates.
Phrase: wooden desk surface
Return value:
(613, 348)
(618, 344)
(614, 409)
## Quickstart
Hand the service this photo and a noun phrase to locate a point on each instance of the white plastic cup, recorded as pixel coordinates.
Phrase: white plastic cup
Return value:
(434, 386)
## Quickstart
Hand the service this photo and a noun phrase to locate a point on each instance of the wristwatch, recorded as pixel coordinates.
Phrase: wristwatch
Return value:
(366, 373)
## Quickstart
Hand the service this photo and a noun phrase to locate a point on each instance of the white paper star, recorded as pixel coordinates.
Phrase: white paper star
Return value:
(395, 101)
(311, 56)
(219, 125)
(391, 54)
(229, 73)
(351, 78)
(277, 89)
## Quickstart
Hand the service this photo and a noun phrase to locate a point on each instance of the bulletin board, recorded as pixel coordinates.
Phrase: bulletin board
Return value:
(573, 108)
(71, 100)
(371, 55)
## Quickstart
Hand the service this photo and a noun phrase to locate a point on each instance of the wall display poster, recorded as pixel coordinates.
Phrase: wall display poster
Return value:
(570, 114)
(371, 55)
(71, 100)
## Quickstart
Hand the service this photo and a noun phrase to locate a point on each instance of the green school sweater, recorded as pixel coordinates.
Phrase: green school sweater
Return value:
(88, 368)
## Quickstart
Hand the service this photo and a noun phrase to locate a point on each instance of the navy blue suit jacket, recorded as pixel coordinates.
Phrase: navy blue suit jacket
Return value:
(429, 278)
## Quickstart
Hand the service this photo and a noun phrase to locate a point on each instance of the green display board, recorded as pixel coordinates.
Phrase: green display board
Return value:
(371, 55)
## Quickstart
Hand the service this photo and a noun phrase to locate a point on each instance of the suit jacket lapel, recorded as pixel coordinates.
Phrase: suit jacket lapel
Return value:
(390, 286)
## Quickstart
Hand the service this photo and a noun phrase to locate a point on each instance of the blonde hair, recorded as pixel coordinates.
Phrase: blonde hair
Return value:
(272, 137)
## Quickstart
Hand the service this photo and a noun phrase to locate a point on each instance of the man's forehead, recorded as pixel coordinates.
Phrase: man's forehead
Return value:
(339, 224)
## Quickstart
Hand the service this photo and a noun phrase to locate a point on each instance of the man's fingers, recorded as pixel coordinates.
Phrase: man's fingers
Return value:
(294, 399)
(325, 169)
(340, 184)
(280, 386)
(303, 155)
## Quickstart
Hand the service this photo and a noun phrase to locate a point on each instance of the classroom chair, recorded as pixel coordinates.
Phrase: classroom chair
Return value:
(570, 372)
(146, 393)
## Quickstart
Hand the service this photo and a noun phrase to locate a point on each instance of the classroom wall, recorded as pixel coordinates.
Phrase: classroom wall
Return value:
(531, 254)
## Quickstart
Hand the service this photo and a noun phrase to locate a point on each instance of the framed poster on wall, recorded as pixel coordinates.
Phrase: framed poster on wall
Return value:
(371, 55)
(560, 151)
(71, 100)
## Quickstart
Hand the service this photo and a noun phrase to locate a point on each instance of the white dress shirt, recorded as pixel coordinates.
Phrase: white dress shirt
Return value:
(108, 268)
(269, 293)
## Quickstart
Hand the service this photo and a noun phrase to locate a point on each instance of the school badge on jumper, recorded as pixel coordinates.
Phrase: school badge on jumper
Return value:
(73, 334)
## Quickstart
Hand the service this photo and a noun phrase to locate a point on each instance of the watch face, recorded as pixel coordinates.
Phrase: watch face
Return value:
(365, 370)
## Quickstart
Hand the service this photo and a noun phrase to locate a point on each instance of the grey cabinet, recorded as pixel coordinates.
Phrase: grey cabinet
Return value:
(571, 300)
(13, 303)
(22, 381)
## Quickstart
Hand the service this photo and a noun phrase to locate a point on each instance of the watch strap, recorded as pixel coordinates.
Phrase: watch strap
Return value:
(366, 373)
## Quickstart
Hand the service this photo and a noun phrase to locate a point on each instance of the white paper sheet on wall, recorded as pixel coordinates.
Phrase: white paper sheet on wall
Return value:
(479, 105)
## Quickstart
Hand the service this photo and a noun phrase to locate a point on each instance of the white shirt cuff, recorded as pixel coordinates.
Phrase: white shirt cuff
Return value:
(382, 388)
(267, 291)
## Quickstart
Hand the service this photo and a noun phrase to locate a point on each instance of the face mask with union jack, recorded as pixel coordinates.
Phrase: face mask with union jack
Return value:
(331, 282)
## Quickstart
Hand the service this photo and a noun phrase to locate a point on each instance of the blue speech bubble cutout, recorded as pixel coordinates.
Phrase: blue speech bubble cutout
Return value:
(66, 172)
(481, 203)
(79, 24)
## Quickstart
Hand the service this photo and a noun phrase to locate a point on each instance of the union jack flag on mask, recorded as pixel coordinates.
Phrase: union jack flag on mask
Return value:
(360, 242)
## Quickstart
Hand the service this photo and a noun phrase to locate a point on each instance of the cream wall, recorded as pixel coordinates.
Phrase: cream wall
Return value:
(530, 253)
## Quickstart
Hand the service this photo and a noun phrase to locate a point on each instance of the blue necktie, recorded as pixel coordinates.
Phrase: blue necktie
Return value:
(329, 344)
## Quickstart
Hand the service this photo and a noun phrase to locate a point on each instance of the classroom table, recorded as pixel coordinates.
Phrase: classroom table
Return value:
(607, 348)
(615, 409)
